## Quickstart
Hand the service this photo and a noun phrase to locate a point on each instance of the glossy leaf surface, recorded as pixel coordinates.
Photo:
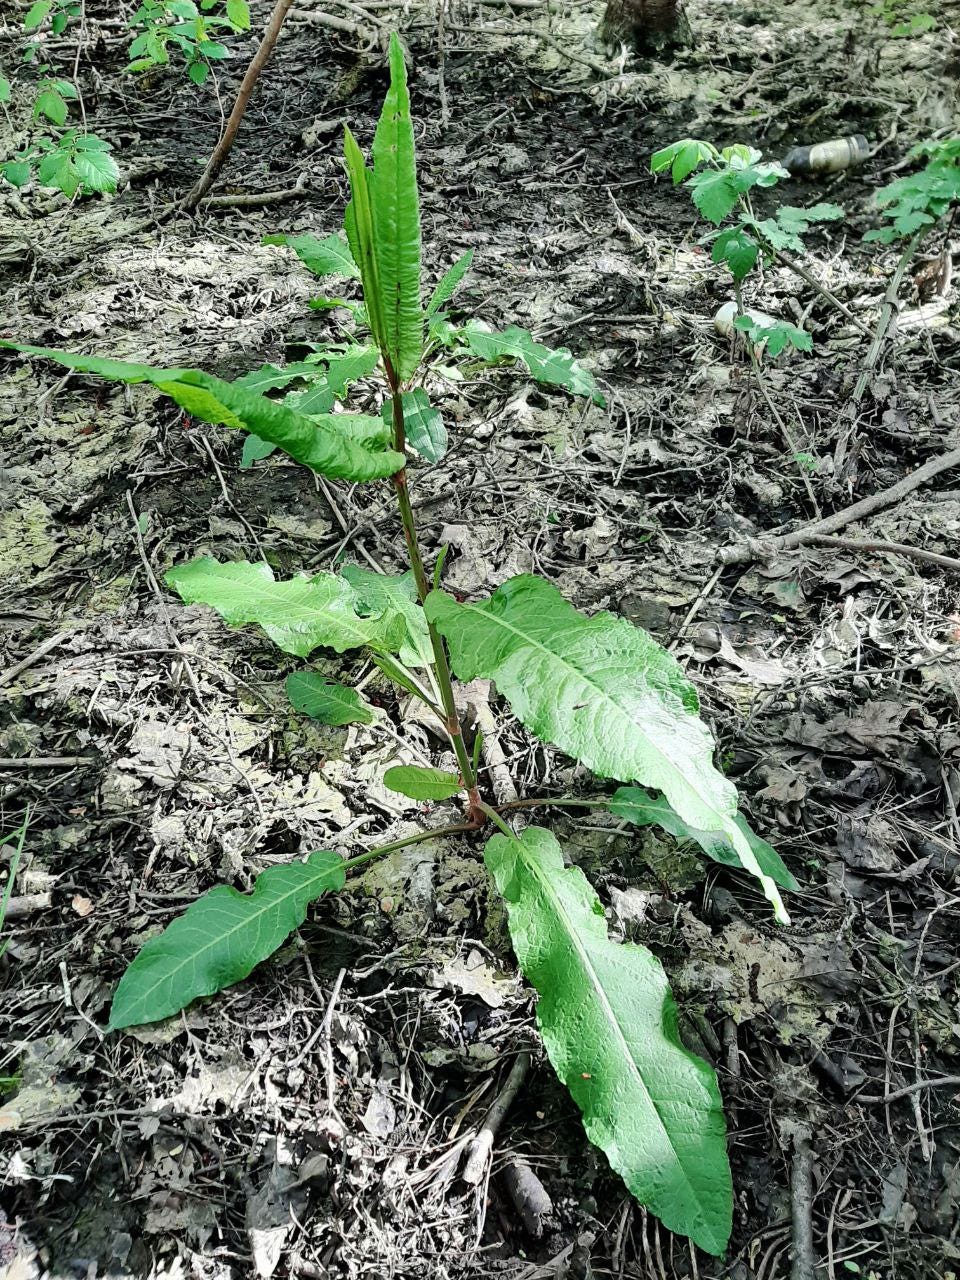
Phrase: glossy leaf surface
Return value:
(603, 691)
(609, 1025)
(643, 809)
(220, 939)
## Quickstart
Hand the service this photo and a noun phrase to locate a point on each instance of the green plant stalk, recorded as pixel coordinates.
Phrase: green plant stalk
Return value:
(475, 811)
(361, 859)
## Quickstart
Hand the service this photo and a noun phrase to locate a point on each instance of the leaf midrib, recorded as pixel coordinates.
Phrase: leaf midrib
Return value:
(313, 612)
(594, 980)
(556, 657)
(243, 924)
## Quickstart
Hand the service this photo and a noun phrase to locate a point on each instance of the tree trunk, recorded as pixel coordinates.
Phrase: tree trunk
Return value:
(644, 24)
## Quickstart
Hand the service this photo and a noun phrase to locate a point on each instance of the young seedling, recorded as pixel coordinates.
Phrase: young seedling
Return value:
(720, 183)
(189, 29)
(598, 688)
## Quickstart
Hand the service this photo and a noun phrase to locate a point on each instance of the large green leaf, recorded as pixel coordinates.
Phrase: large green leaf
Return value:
(603, 691)
(555, 366)
(384, 594)
(609, 1025)
(318, 444)
(327, 257)
(643, 810)
(326, 702)
(219, 939)
(298, 615)
(396, 219)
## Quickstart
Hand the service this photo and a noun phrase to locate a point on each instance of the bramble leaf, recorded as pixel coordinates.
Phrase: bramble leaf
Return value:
(737, 248)
(299, 615)
(326, 702)
(643, 809)
(601, 690)
(220, 939)
(609, 1025)
(682, 158)
(324, 445)
(328, 257)
(774, 338)
(96, 169)
(395, 205)
(419, 783)
(546, 364)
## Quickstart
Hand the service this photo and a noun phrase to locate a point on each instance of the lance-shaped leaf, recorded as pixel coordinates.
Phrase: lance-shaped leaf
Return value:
(643, 810)
(555, 366)
(419, 783)
(327, 257)
(609, 1025)
(358, 224)
(383, 594)
(449, 282)
(298, 615)
(326, 702)
(396, 220)
(220, 939)
(422, 423)
(603, 691)
(308, 440)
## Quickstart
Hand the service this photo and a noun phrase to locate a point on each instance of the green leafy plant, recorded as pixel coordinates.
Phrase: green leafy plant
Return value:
(720, 184)
(916, 203)
(900, 19)
(187, 27)
(596, 687)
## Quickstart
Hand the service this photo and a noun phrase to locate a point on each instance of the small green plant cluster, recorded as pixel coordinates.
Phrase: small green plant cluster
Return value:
(69, 158)
(187, 28)
(916, 203)
(900, 20)
(720, 184)
(597, 687)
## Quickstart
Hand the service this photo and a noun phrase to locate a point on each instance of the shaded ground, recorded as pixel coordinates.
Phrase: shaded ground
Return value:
(311, 1121)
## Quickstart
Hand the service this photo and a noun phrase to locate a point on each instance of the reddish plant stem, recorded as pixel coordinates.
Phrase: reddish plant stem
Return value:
(475, 809)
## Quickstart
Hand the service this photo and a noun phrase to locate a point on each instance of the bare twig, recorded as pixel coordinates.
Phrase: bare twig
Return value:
(892, 548)
(251, 76)
(744, 553)
(938, 1082)
(804, 1263)
(478, 1153)
(41, 651)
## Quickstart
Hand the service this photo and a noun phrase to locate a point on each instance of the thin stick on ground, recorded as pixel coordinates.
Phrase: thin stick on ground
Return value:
(251, 76)
(478, 1153)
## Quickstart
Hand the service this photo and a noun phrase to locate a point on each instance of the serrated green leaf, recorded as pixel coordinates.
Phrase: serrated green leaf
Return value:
(395, 204)
(356, 362)
(774, 337)
(609, 1025)
(419, 783)
(220, 939)
(714, 193)
(643, 809)
(394, 672)
(601, 690)
(328, 257)
(738, 249)
(424, 427)
(97, 170)
(554, 366)
(299, 615)
(384, 594)
(326, 702)
(682, 157)
(271, 377)
(449, 282)
(16, 172)
(238, 14)
(321, 444)
(49, 103)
